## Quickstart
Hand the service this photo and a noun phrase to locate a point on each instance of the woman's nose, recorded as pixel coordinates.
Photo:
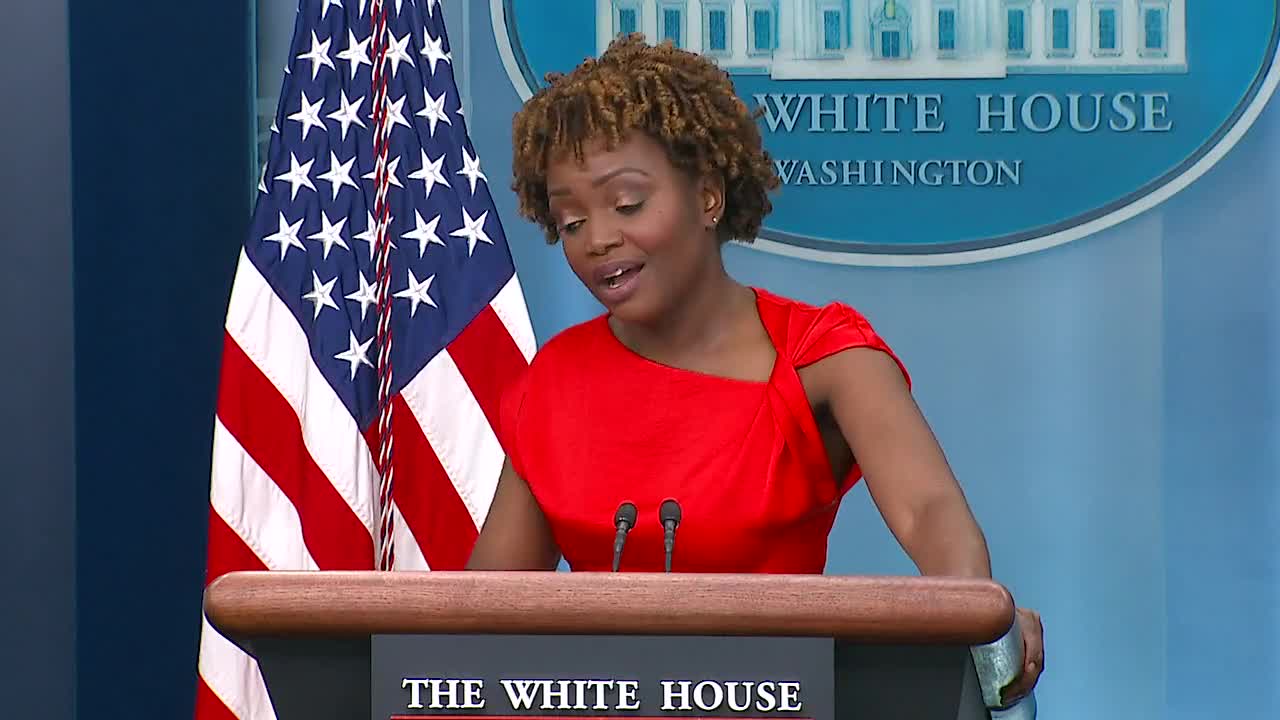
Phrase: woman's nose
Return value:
(603, 237)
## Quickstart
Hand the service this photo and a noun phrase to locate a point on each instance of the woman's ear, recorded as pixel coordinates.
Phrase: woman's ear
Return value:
(711, 197)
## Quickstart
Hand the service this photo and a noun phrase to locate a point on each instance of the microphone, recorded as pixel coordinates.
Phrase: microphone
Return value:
(624, 519)
(669, 514)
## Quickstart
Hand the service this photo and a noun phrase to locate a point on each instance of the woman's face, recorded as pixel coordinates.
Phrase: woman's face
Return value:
(634, 227)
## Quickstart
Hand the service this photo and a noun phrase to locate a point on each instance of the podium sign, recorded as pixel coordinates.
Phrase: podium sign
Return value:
(646, 677)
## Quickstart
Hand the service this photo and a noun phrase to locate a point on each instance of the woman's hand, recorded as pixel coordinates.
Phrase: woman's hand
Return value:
(1032, 656)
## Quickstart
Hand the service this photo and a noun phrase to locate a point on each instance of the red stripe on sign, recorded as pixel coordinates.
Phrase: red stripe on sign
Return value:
(488, 359)
(209, 706)
(266, 427)
(426, 496)
(227, 550)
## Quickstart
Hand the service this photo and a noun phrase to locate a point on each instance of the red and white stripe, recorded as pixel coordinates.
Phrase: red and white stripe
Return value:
(294, 483)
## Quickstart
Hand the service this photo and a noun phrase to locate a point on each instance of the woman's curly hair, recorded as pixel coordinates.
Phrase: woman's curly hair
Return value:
(682, 100)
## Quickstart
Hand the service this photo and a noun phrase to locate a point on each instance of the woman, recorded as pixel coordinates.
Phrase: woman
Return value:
(755, 412)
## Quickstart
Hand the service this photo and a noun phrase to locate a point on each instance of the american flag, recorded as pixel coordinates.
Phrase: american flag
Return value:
(374, 289)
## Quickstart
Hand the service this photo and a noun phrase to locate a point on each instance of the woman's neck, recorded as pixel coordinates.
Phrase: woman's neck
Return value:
(699, 320)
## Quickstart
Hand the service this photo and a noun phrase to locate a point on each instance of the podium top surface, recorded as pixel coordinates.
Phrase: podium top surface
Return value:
(907, 610)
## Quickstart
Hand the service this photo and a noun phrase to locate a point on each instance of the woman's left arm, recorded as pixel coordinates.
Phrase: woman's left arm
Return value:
(910, 480)
(906, 472)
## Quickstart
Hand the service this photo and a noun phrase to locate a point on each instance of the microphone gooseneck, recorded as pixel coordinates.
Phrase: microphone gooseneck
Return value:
(669, 514)
(624, 519)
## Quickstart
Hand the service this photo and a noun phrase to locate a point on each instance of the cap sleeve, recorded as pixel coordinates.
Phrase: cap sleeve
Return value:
(837, 327)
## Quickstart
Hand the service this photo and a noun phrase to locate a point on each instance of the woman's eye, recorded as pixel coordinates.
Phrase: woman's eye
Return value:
(571, 226)
(630, 208)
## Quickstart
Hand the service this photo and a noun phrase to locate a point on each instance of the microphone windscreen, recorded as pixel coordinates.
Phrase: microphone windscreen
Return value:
(670, 511)
(626, 513)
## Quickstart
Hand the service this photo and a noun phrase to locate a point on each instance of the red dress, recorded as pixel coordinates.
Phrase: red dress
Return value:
(592, 424)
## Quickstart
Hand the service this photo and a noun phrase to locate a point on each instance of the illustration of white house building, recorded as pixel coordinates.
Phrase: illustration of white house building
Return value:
(811, 39)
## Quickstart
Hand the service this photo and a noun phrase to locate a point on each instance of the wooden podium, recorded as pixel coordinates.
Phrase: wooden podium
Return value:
(886, 647)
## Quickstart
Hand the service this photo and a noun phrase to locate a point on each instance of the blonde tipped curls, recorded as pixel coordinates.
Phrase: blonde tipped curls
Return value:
(680, 99)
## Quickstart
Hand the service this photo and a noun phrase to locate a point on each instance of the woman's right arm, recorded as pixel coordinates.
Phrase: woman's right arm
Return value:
(515, 535)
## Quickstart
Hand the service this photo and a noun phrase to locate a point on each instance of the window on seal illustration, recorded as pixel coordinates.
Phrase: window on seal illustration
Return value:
(1106, 28)
(716, 28)
(1061, 28)
(890, 30)
(1017, 14)
(626, 17)
(762, 28)
(1154, 15)
(671, 21)
(833, 28)
(946, 27)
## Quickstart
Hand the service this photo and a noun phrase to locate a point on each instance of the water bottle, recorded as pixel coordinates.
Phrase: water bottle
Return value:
(998, 664)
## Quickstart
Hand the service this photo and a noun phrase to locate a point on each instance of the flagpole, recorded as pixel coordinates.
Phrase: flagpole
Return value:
(382, 264)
